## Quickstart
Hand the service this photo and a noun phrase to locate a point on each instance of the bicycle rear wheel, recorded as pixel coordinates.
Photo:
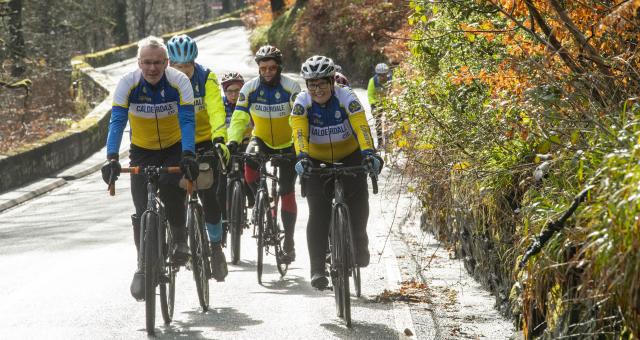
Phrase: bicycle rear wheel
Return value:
(262, 205)
(166, 276)
(236, 219)
(199, 260)
(150, 225)
(344, 262)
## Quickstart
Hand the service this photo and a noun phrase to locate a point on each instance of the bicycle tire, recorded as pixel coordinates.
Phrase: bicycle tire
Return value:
(355, 270)
(167, 298)
(278, 240)
(150, 225)
(236, 220)
(198, 254)
(262, 205)
(334, 248)
(344, 263)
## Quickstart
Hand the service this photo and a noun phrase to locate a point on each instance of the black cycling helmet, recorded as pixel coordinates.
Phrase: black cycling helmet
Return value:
(269, 52)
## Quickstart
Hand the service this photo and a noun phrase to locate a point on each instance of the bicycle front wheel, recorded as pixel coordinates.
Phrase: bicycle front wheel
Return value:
(199, 260)
(150, 224)
(344, 261)
(262, 204)
(236, 219)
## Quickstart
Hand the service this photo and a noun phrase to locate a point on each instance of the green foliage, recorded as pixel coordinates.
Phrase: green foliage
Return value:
(500, 146)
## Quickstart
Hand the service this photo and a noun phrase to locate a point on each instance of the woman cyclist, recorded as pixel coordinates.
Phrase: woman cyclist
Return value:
(329, 126)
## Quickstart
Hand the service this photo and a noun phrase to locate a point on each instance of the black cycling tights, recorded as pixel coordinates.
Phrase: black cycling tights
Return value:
(319, 200)
(170, 193)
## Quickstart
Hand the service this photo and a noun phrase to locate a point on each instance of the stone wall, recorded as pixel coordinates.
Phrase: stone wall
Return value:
(52, 154)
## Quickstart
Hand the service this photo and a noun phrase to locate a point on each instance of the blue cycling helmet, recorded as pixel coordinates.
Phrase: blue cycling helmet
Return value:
(182, 49)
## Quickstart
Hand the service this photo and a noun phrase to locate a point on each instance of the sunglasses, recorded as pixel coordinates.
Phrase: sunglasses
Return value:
(264, 69)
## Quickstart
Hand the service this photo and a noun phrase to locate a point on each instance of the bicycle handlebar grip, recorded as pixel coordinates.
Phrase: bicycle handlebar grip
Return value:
(174, 170)
(374, 183)
(133, 170)
(303, 187)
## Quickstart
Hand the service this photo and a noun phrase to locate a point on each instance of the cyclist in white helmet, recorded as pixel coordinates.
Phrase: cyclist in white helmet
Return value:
(329, 126)
(377, 87)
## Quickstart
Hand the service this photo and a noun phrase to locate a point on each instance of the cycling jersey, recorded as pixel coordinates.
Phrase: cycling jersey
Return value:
(375, 88)
(332, 131)
(208, 105)
(229, 108)
(269, 107)
(160, 115)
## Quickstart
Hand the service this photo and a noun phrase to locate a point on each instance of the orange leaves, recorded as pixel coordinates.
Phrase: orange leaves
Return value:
(623, 18)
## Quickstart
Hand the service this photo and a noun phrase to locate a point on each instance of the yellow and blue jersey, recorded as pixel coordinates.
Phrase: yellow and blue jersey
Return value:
(160, 115)
(333, 131)
(269, 107)
(209, 109)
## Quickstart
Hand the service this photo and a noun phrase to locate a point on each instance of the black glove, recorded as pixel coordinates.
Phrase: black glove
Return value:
(233, 147)
(374, 161)
(189, 165)
(111, 171)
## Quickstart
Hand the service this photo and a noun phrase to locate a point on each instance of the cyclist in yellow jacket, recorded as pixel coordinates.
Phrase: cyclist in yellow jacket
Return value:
(376, 88)
(329, 126)
(266, 100)
(210, 130)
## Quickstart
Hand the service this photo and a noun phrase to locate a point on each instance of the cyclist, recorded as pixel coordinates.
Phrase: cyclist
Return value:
(232, 82)
(266, 100)
(329, 126)
(340, 78)
(158, 103)
(210, 130)
(375, 90)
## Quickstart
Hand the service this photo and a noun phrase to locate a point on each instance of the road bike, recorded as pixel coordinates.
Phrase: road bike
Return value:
(267, 230)
(236, 204)
(156, 243)
(341, 235)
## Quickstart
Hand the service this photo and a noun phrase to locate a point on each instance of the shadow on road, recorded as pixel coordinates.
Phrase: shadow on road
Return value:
(361, 330)
(224, 319)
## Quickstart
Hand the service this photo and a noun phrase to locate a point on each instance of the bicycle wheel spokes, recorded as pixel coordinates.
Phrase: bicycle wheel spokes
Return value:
(236, 220)
(150, 225)
(262, 206)
(197, 243)
(167, 276)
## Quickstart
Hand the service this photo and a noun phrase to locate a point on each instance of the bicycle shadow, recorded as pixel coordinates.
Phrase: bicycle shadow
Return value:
(224, 319)
(361, 330)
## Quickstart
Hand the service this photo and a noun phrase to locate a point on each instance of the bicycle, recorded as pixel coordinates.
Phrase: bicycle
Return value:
(236, 205)
(156, 242)
(341, 236)
(267, 230)
(196, 228)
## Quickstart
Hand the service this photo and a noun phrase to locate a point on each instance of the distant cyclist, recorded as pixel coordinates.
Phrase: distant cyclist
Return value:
(158, 103)
(329, 126)
(340, 78)
(210, 130)
(232, 82)
(266, 99)
(378, 84)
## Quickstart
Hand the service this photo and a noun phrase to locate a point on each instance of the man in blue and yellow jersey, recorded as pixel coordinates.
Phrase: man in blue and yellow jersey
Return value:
(266, 100)
(329, 126)
(210, 130)
(158, 103)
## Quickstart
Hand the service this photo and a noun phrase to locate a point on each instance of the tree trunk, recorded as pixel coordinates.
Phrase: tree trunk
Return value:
(226, 6)
(120, 31)
(16, 39)
(277, 7)
(206, 11)
(142, 19)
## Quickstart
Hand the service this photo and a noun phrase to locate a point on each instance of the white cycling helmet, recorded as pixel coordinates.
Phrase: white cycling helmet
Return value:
(382, 68)
(318, 67)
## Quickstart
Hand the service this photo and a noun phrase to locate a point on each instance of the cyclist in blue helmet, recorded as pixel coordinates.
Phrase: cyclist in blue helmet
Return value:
(210, 130)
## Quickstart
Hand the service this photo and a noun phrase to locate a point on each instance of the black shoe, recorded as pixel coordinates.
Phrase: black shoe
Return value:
(288, 256)
(137, 285)
(319, 281)
(181, 253)
(363, 257)
(218, 262)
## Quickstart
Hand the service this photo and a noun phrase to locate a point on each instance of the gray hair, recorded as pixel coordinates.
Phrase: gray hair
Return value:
(154, 42)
